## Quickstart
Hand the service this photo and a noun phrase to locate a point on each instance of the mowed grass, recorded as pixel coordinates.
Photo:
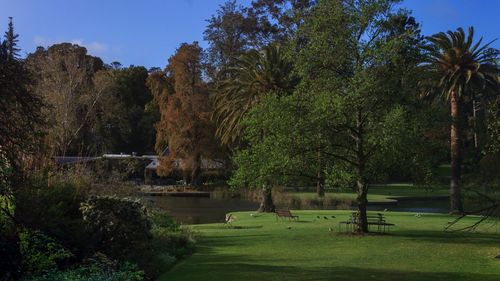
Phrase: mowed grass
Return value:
(384, 193)
(260, 248)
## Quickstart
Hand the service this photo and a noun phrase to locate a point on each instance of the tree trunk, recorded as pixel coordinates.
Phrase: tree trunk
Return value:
(362, 190)
(320, 188)
(196, 172)
(455, 193)
(362, 201)
(266, 203)
(474, 114)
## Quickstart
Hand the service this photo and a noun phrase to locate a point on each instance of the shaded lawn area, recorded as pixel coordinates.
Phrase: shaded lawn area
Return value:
(384, 193)
(260, 248)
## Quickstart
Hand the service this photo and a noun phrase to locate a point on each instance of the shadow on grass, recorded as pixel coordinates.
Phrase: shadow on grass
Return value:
(453, 237)
(299, 221)
(228, 227)
(245, 227)
(218, 270)
(212, 242)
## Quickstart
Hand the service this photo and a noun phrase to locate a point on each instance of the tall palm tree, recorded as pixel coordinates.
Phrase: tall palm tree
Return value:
(460, 69)
(254, 74)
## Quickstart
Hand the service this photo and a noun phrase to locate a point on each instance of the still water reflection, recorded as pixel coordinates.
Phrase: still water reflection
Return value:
(198, 210)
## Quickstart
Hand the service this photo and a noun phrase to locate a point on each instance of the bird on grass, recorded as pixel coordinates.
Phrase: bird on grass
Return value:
(385, 210)
(318, 217)
(333, 217)
(289, 227)
(418, 215)
(325, 217)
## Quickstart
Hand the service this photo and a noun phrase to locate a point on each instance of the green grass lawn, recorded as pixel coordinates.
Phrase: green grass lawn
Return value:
(384, 193)
(260, 248)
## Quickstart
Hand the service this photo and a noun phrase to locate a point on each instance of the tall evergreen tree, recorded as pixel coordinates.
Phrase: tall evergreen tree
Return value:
(11, 40)
(20, 115)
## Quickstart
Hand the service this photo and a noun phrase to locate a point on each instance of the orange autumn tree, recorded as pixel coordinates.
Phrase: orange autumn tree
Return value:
(185, 125)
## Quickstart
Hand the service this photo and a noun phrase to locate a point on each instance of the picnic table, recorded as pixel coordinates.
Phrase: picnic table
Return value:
(377, 220)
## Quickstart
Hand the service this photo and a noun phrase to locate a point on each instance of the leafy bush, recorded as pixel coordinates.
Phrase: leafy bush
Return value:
(54, 210)
(170, 244)
(40, 253)
(94, 272)
(71, 228)
(10, 257)
(160, 219)
(119, 227)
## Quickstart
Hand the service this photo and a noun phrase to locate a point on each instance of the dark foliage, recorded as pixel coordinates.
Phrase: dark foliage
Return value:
(118, 227)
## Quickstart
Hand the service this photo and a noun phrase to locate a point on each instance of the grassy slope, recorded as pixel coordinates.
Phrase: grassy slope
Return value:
(384, 193)
(260, 248)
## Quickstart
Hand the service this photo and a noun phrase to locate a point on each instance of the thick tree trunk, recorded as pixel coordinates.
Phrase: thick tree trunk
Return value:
(320, 187)
(266, 203)
(455, 144)
(362, 201)
(362, 190)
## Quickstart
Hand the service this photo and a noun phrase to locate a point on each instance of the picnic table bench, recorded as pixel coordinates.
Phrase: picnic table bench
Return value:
(378, 220)
(285, 214)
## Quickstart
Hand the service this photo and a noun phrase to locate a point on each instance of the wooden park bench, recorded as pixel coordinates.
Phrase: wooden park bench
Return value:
(285, 214)
(377, 220)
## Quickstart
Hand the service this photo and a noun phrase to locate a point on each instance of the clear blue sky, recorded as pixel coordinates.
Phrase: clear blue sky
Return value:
(147, 32)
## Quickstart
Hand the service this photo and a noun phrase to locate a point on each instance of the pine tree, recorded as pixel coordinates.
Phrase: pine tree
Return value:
(11, 41)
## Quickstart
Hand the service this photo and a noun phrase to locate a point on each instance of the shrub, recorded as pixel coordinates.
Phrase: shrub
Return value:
(54, 210)
(66, 222)
(161, 220)
(94, 272)
(119, 227)
(40, 253)
(10, 257)
(170, 244)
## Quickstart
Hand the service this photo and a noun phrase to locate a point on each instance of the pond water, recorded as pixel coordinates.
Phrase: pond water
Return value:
(424, 205)
(199, 210)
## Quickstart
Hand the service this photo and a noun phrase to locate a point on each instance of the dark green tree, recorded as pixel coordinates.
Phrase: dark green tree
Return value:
(236, 29)
(282, 17)
(227, 36)
(125, 113)
(20, 124)
(358, 63)
(11, 40)
(20, 108)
